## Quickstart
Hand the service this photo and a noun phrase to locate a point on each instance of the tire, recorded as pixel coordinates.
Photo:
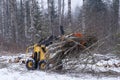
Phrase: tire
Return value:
(31, 64)
(42, 65)
(35, 58)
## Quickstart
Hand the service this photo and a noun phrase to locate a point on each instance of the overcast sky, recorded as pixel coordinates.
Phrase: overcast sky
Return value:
(74, 3)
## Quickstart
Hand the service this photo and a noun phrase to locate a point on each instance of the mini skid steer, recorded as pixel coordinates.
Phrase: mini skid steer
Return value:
(37, 59)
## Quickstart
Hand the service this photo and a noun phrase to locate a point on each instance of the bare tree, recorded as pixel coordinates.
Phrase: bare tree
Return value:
(43, 13)
(69, 13)
(32, 23)
(3, 18)
(83, 19)
(62, 13)
(53, 18)
(14, 21)
(49, 14)
(25, 18)
(59, 11)
(115, 19)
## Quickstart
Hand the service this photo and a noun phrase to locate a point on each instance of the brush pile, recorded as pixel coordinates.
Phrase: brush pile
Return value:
(68, 48)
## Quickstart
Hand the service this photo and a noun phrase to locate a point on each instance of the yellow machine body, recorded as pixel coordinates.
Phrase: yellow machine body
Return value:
(41, 51)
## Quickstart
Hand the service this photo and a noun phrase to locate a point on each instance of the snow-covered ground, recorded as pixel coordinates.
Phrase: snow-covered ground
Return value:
(18, 71)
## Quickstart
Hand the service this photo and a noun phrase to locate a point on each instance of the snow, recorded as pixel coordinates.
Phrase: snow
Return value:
(110, 65)
(18, 71)
(7, 74)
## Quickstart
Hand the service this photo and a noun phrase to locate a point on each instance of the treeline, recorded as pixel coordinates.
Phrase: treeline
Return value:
(24, 22)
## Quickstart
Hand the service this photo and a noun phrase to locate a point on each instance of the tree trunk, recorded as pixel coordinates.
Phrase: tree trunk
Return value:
(59, 11)
(69, 13)
(62, 13)
(49, 15)
(114, 22)
(3, 18)
(14, 27)
(43, 16)
(32, 25)
(31, 14)
(25, 18)
(59, 15)
(115, 16)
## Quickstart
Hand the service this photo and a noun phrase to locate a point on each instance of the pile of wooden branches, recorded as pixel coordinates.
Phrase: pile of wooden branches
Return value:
(68, 49)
